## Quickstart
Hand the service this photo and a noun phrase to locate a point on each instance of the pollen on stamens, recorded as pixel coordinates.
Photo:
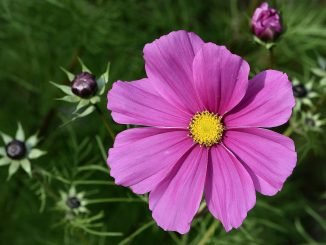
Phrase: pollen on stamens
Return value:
(206, 128)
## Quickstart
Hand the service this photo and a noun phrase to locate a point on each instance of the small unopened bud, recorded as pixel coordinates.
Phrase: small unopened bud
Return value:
(73, 202)
(16, 149)
(266, 23)
(310, 122)
(299, 90)
(84, 85)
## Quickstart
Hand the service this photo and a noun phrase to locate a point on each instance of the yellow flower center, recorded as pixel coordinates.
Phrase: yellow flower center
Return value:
(206, 128)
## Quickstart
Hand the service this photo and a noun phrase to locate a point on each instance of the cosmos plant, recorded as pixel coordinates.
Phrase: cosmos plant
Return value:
(203, 133)
(197, 137)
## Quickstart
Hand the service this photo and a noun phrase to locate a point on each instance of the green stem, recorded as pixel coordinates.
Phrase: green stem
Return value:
(209, 233)
(92, 182)
(107, 125)
(174, 237)
(106, 200)
(46, 187)
(99, 233)
(202, 210)
(271, 57)
(288, 131)
(136, 233)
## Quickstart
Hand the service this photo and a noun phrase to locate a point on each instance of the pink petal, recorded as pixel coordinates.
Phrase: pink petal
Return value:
(137, 103)
(220, 77)
(229, 190)
(269, 157)
(147, 158)
(168, 64)
(131, 136)
(268, 102)
(176, 199)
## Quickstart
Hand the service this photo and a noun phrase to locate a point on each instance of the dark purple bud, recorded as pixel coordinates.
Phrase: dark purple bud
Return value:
(84, 85)
(310, 122)
(299, 90)
(73, 202)
(266, 23)
(16, 149)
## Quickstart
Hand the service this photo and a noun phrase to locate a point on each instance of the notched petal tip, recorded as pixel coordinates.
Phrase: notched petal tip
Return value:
(229, 189)
(168, 64)
(256, 149)
(181, 230)
(220, 77)
(268, 102)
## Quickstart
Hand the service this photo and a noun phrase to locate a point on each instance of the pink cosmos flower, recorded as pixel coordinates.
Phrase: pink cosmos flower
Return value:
(204, 134)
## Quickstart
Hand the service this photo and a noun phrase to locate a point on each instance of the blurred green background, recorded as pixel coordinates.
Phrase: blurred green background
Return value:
(37, 37)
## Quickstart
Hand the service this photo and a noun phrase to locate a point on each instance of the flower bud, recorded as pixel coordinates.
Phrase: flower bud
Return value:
(266, 23)
(16, 149)
(73, 202)
(299, 90)
(310, 122)
(84, 85)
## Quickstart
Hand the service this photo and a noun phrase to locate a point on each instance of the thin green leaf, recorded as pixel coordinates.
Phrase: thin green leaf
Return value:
(111, 200)
(93, 167)
(270, 208)
(136, 233)
(302, 232)
(91, 219)
(42, 194)
(93, 182)
(101, 147)
(317, 217)
(100, 233)
(209, 233)
(272, 225)
(56, 3)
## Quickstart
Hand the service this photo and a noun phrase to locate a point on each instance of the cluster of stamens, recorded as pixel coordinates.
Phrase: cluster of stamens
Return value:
(206, 128)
